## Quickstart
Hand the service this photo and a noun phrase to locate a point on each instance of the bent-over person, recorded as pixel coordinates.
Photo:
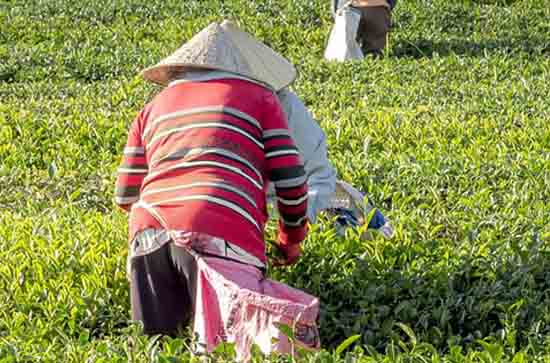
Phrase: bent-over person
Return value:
(194, 177)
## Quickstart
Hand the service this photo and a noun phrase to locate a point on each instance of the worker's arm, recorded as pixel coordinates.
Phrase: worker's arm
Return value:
(133, 168)
(311, 142)
(286, 171)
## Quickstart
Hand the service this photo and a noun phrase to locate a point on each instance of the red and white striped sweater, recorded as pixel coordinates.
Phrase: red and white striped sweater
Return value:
(201, 154)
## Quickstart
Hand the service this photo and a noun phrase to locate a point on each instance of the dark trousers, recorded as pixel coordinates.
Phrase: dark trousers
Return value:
(373, 29)
(163, 289)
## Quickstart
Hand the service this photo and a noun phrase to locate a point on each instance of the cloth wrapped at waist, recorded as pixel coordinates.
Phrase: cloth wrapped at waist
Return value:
(235, 303)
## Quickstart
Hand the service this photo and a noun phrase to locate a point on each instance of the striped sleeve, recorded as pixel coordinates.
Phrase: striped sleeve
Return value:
(132, 169)
(286, 171)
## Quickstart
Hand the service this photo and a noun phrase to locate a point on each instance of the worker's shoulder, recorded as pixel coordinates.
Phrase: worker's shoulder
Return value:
(290, 100)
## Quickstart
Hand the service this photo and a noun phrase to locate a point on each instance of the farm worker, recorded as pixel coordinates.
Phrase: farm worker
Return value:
(375, 22)
(194, 177)
(325, 191)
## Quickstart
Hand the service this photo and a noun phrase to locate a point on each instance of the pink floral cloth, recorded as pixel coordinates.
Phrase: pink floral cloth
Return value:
(236, 304)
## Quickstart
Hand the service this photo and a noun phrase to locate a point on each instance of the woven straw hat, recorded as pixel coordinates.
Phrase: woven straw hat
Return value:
(225, 47)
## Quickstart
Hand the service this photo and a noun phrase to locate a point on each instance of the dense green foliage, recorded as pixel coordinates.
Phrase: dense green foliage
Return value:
(449, 133)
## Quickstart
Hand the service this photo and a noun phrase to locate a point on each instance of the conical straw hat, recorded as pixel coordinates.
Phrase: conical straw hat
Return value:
(225, 47)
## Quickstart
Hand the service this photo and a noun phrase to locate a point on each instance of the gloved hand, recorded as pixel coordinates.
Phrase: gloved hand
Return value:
(290, 255)
(386, 230)
(377, 221)
(346, 218)
(382, 225)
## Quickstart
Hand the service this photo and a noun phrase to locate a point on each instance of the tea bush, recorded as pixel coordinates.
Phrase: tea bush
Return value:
(448, 133)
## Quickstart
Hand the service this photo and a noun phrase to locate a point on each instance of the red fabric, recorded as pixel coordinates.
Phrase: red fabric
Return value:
(191, 140)
(236, 304)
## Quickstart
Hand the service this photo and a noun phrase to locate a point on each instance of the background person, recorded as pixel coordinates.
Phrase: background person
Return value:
(325, 191)
(375, 22)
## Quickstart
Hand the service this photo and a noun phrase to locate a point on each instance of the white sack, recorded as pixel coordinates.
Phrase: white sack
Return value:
(342, 43)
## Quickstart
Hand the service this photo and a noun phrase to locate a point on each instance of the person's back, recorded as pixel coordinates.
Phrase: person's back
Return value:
(209, 149)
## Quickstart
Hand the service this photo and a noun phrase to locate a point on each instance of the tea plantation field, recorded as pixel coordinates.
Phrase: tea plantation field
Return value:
(449, 133)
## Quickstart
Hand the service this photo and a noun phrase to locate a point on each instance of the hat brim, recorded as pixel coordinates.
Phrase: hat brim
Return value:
(225, 48)
(164, 74)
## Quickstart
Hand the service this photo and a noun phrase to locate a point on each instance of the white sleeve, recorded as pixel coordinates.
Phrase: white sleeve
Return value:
(311, 142)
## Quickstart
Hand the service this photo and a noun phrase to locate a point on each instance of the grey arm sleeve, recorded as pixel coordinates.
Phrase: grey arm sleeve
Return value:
(311, 142)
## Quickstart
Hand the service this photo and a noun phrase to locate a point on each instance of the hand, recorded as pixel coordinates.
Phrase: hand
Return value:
(291, 254)
(346, 217)
(387, 230)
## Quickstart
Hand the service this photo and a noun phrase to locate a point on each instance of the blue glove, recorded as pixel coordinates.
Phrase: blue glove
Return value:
(346, 217)
(377, 220)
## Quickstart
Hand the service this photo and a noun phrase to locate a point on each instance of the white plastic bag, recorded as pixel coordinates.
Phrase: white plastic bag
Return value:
(342, 43)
